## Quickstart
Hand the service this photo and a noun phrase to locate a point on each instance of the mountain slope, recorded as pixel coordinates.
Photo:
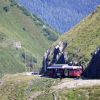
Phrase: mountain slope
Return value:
(17, 25)
(61, 14)
(84, 38)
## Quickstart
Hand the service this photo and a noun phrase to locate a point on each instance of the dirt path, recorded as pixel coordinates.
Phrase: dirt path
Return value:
(75, 84)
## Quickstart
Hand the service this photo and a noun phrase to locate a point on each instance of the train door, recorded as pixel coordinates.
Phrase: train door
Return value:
(66, 72)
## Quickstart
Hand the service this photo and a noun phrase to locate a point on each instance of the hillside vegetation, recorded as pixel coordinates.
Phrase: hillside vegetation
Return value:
(23, 87)
(18, 25)
(14, 86)
(84, 38)
(89, 93)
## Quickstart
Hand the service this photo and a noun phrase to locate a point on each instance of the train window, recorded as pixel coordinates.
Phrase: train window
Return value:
(66, 71)
(71, 70)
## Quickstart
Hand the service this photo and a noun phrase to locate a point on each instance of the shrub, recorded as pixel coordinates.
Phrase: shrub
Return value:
(2, 37)
(25, 11)
(49, 34)
(34, 60)
(13, 2)
(6, 8)
(24, 29)
(26, 58)
(53, 37)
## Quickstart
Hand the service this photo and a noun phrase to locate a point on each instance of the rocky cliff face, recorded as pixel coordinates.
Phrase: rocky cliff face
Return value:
(54, 56)
(93, 70)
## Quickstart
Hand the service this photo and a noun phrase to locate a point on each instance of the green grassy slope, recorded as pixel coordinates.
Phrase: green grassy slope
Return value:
(17, 24)
(23, 87)
(89, 93)
(15, 87)
(84, 38)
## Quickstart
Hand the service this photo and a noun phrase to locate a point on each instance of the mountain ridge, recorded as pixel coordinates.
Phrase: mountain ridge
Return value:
(84, 38)
(18, 26)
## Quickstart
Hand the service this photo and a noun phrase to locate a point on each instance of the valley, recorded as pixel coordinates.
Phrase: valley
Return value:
(61, 15)
(26, 41)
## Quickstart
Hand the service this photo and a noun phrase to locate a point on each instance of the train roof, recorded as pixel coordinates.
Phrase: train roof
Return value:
(63, 66)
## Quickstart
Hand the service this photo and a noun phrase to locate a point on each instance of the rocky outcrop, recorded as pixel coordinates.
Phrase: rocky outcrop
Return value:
(93, 70)
(57, 55)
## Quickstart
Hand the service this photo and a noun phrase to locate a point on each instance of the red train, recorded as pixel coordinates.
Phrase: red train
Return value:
(64, 70)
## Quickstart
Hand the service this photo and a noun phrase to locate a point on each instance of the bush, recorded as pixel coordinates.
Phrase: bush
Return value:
(26, 58)
(24, 29)
(25, 11)
(2, 37)
(6, 8)
(49, 34)
(53, 37)
(34, 60)
(13, 2)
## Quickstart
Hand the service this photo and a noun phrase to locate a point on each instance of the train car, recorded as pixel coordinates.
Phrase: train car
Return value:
(64, 70)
